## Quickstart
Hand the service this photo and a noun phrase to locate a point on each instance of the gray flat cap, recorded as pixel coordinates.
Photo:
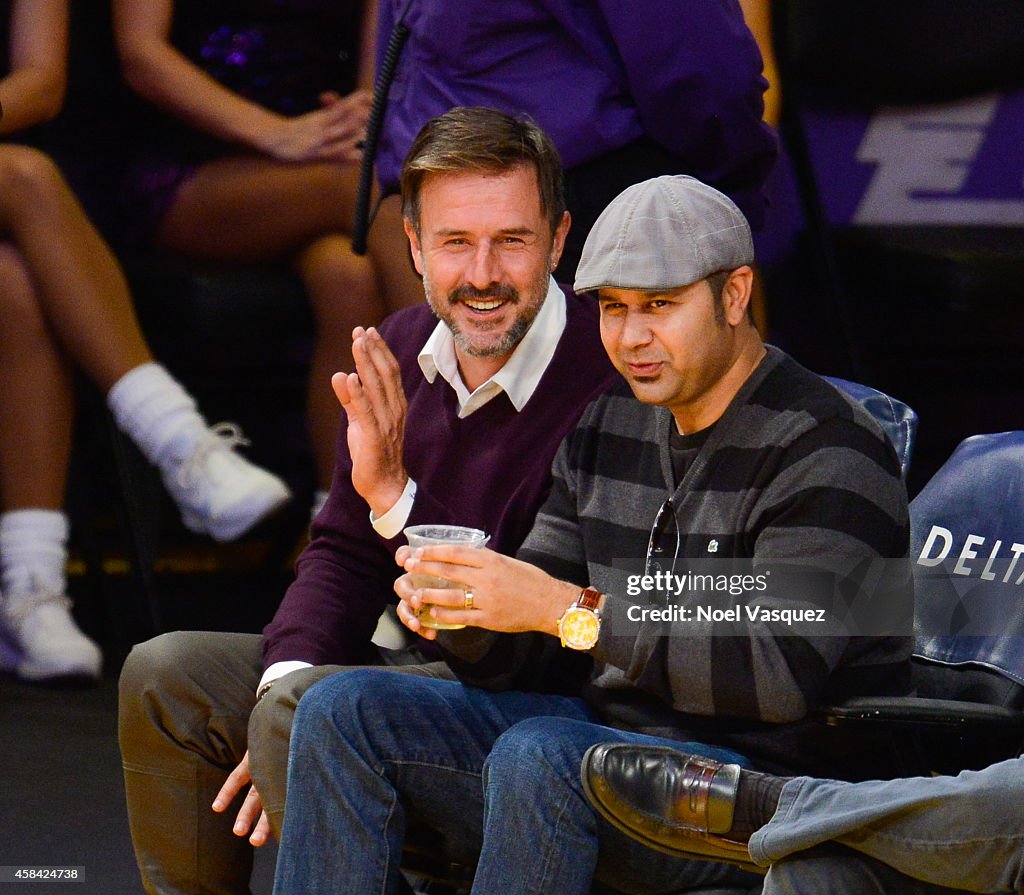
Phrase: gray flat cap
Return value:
(663, 234)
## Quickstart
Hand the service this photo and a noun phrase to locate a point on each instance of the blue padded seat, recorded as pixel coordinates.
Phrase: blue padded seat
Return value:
(967, 546)
(897, 419)
(967, 542)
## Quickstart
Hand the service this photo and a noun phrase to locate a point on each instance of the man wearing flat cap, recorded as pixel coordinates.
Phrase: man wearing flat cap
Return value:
(718, 449)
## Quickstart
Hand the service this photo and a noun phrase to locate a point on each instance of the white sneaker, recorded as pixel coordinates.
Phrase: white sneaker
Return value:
(50, 643)
(218, 491)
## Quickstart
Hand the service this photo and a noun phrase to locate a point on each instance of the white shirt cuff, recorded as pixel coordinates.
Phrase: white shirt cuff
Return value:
(391, 523)
(280, 669)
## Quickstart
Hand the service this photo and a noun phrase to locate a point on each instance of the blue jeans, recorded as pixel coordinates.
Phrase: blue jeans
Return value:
(495, 773)
(906, 836)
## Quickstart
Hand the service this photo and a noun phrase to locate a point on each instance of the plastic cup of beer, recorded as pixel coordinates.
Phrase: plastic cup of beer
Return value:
(431, 535)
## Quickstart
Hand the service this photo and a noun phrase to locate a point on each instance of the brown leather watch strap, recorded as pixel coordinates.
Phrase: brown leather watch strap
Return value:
(590, 598)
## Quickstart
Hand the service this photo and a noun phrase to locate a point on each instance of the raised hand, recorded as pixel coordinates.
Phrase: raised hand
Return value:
(374, 401)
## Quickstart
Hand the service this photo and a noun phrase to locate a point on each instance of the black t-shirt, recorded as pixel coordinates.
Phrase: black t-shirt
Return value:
(684, 448)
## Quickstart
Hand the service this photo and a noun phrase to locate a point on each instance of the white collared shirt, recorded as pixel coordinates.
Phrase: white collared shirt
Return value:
(519, 376)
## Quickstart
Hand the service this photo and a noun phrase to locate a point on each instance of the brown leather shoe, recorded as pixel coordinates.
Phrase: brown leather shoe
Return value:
(676, 803)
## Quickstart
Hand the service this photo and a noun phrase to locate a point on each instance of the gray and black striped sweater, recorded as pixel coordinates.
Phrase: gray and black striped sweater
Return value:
(793, 470)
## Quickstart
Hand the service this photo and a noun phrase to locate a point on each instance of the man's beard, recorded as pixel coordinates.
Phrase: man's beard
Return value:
(526, 313)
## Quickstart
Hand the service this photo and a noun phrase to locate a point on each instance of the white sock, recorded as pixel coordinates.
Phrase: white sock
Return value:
(319, 499)
(155, 412)
(33, 550)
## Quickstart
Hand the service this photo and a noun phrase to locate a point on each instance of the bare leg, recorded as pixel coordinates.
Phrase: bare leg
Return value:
(249, 209)
(78, 284)
(36, 405)
(284, 207)
(341, 289)
(36, 409)
(389, 248)
(83, 304)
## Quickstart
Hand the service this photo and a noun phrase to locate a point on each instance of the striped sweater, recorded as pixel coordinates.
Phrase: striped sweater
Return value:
(793, 470)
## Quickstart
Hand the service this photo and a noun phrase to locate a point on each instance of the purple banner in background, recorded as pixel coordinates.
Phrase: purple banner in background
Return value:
(950, 163)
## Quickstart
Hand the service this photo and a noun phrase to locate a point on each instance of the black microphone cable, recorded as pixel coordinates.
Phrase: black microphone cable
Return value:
(374, 122)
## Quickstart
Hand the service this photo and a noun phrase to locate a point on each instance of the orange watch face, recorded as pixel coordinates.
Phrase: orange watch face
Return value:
(580, 628)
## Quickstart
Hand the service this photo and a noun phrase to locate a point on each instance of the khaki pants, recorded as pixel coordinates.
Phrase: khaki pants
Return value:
(186, 718)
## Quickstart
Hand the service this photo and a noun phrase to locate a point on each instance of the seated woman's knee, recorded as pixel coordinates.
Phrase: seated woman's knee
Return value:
(20, 312)
(28, 177)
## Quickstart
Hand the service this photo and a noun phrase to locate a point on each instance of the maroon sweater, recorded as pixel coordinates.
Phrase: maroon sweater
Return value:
(491, 470)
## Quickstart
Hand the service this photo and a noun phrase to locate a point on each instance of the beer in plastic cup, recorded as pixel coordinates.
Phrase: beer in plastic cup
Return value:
(428, 535)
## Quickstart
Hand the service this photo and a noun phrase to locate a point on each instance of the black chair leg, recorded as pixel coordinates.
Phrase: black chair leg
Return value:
(140, 510)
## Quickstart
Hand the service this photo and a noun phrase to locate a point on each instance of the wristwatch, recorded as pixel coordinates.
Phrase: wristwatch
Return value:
(580, 624)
